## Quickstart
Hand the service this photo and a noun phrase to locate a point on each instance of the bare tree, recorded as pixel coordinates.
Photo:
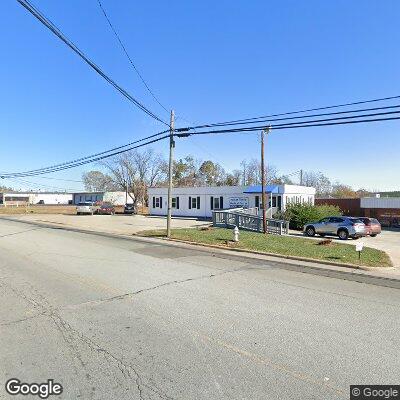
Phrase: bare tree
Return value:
(157, 171)
(97, 181)
(318, 180)
(252, 172)
(136, 171)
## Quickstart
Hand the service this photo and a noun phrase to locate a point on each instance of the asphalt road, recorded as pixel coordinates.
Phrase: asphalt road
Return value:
(110, 318)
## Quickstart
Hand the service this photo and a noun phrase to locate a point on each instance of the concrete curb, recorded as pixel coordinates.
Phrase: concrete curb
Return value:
(311, 260)
(345, 271)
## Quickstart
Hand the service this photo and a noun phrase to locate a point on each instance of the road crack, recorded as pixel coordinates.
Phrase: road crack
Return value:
(76, 343)
(151, 288)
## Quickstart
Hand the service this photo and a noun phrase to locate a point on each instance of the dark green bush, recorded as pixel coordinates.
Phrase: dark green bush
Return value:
(299, 214)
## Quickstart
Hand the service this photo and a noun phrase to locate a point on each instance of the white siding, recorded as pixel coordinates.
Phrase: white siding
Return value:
(115, 198)
(230, 194)
(51, 198)
(36, 197)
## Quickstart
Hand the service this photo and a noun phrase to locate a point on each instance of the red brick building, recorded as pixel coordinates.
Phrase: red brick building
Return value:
(386, 210)
(349, 207)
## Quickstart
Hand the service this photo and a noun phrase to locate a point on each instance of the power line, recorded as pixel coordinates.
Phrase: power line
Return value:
(340, 123)
(76, 164)
(292, 173)
(338, 118)
(92, 155)
(297, 112)
(304, 124)
(46, 22)
(30, 183)
(60, 179)
(298, 117)
(128, 56)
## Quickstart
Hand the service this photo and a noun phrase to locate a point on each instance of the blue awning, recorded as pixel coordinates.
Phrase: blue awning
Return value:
(272, 189)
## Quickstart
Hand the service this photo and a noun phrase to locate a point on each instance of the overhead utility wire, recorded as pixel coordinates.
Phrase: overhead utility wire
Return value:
(302, 125)
(46, 22)
(337, 118)
(339, 123)
(90, 156)
(61, 168)
(40, 185)
(128, 56)
(60, 179)
(292, 118)
(300, 111)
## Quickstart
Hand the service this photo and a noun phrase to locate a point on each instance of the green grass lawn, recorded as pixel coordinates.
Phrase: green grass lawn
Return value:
(283, 245)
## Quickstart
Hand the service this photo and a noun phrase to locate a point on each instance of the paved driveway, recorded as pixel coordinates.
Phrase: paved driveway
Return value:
(119, 224)
(388, 241)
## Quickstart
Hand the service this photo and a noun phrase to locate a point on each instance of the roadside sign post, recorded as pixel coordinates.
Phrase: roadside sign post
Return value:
(359, 249)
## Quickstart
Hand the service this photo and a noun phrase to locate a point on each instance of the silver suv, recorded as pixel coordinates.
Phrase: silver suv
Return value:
(344, 227)
(86, 207)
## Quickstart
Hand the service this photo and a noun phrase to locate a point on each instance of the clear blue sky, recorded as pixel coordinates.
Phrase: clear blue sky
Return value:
(211, 61)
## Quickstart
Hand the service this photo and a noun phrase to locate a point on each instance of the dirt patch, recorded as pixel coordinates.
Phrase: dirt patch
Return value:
(38, 209)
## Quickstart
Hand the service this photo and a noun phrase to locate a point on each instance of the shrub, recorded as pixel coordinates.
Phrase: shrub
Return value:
(299, 214)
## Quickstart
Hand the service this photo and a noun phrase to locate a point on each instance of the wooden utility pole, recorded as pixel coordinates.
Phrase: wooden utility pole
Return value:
(170, 171)
(126, 192)
(301, 177)
(263, 183)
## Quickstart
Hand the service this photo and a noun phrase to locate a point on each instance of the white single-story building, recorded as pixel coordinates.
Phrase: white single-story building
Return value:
(23, 198)
(201, 201)
(115, 198)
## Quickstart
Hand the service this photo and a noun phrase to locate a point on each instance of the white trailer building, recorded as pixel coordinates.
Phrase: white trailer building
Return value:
(115, 198)
(201, 201)
(24, 198)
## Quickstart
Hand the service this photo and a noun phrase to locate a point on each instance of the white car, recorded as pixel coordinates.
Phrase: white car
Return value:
(86, 207)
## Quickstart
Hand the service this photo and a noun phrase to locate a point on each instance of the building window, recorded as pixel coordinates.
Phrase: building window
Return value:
(175, 202)
(273, 201)
(216, 203)
(258, 202)
(279, 203)
(16, 198)
(194, 202)
(157, 202)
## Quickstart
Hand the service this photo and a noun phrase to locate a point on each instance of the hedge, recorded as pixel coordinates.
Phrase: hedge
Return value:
(300, 214)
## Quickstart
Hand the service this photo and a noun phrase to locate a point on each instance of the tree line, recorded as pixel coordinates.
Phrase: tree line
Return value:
(135, 171)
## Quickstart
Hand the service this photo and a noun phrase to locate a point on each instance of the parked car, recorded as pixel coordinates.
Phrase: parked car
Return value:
(107, 209)
(129, 209)
(372, 225)
(344, 227)
(86, 207)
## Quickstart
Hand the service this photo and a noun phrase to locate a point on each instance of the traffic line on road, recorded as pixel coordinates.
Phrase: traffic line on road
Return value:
(268, 361)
